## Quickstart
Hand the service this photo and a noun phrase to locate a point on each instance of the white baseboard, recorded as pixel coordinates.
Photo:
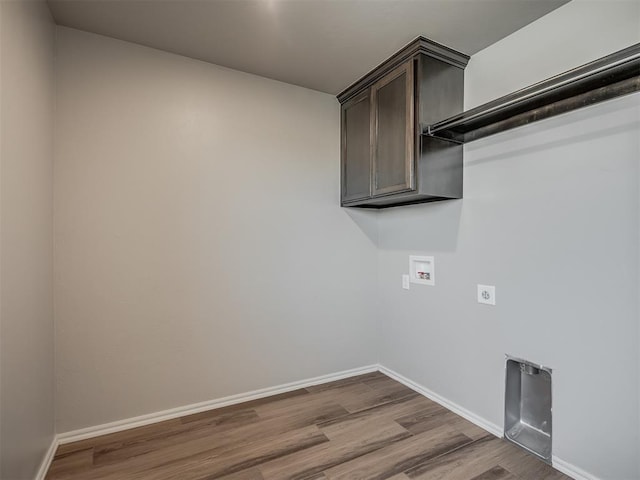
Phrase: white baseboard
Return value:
(117, 426)
(120, 425)
(455, 408)
(559, 464)
(571, 470)
(48, 458)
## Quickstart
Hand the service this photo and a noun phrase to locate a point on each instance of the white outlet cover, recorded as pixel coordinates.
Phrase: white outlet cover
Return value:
(487, 294)
(422, 270)
(405, 282)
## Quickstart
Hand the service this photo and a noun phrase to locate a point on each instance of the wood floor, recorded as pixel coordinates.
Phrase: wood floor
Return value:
(368, 427)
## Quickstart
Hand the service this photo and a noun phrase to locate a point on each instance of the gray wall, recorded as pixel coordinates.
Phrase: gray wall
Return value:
(549, 216)
(185, 272)
(26, 318)
(200, 250)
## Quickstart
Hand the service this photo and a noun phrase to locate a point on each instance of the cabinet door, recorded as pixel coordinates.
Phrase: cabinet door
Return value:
(356, 148)
(393, 128)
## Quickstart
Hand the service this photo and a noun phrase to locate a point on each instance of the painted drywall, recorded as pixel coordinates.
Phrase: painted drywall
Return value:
(26, 301)
(561, 43)
(549, 216)
(200, 250)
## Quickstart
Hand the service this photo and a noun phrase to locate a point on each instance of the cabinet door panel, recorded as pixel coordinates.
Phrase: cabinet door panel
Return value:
(356, 148)
(393, 154)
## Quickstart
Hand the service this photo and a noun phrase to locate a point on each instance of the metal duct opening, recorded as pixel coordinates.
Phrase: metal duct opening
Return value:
(528, 407)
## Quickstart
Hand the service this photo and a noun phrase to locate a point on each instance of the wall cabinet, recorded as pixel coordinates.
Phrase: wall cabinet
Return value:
(385, 159)
(356, 146)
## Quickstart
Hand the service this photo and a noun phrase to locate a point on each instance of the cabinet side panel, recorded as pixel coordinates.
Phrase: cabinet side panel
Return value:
(440, 168)
(440, 94)
(440, 90)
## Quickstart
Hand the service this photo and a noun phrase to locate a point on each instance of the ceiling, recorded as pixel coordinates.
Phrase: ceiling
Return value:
(321, 44)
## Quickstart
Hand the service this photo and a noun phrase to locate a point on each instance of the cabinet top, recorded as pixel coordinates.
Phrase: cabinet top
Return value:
(420, 45)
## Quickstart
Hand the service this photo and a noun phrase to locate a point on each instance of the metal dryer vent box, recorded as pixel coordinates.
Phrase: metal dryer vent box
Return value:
(527, 407)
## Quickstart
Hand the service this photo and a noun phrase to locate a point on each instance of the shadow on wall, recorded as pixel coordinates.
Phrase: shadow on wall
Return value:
(436, 226)
(554, 144)
(551, 125)
(415, 227)
(366, 220)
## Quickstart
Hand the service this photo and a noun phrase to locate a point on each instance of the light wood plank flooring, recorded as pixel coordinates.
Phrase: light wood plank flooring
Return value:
(368, 427)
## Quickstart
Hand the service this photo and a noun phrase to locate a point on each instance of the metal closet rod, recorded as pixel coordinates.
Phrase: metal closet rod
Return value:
(608, 77)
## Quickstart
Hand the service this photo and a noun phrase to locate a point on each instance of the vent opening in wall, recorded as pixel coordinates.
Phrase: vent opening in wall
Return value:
(527, 412)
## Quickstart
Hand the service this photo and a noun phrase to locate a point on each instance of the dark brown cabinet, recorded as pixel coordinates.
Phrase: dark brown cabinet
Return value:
(392, 109)
(356, 146)
(386, 161)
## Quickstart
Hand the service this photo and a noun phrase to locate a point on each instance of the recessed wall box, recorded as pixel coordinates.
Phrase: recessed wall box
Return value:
(422, 270)
(527, 415)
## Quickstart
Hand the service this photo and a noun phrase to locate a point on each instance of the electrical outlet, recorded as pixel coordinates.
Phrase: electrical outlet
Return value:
(405, 282)
(487, 294)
